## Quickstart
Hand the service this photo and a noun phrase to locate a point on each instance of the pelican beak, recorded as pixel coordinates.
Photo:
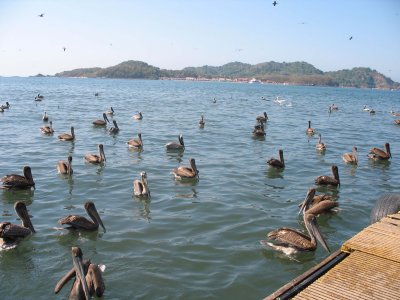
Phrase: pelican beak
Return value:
(317, 233)
(309, 197)
(80, 275)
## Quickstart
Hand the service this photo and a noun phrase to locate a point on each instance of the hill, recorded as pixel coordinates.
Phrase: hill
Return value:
(300, 73)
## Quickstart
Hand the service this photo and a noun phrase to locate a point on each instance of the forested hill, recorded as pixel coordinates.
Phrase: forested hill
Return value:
(300, 73)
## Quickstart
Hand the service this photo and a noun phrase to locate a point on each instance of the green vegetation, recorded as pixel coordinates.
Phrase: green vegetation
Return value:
(297, 73)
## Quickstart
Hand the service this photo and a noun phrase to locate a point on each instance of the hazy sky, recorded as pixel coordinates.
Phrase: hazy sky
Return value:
(173, 34)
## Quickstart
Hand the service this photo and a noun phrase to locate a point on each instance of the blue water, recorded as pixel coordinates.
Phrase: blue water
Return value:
(191, 240)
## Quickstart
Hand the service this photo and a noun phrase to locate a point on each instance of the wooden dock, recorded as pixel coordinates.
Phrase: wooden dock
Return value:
(366, 267)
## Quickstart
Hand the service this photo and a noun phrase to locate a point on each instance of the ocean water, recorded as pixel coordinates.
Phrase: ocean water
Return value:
(196, 239)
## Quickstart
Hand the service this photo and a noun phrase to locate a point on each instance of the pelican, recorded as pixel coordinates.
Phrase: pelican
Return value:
(141, 187)
(186, 172)
(115, 129)
(136, 143)
(81, 223)
(277, 163)
(65, 167)
(39, 97)
(47, 129)
(96, 158)
(317, 204)
(67, 136)
(291, 240)
(351, 158)
(201, 122)
(320, 146)
(138, 116)
(397, 121)
(101, 122)
(175, 145)
(259, 131)
(88, 279)
(263, 118)
(45, 117)
(14, 181)
(110, 111)
(12, 234)
(379, 154)
(327, 180)
(310, 130)
(372, 111)
(366, 108)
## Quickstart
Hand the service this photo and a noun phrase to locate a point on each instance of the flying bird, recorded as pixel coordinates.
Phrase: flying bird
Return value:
(274, 3)
(350, 38)
(41, 15)
(64, 48)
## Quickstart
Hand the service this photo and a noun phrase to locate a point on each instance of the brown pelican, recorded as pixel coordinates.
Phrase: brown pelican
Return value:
(290, 241)
(259, 126)
(327, 180)
(47, 129)
(310, 130)
(101, 122)
(201, 122)
(141, 187)
(263, 118)
(258, 130)
(317, 204)
(138, 116)
(175, 145)
(67, 136)
(136, 143)
(379, 154)
(115, 129)
(45, 117)
(277, 163)
(81, 223)
(65, 167)
(14, 181)
(88, 279)
(320, 146)
(351, 158)
(96, 158)
(186, 172)
(110, 111)
(11, 234)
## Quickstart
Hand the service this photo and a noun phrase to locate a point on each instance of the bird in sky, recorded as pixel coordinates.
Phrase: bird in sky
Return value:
(274, 3)
(350, 38)
(64, 48)
(41, 15)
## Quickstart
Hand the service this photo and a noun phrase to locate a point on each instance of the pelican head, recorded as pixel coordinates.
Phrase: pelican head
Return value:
(180, 138)
(28, 175)
(94, 215)
(306, 203)
(311, 222)
(387, 148)
(22, 212)
(194, 167)
(77, 259)
(335, 172)
(101, 152)
(105, 118)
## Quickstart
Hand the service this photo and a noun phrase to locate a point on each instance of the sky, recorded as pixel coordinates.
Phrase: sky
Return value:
(174, 34)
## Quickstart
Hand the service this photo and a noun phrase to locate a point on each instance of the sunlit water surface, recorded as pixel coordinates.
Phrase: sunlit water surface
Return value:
(191, 240)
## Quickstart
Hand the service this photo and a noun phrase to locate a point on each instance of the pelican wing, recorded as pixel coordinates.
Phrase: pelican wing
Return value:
(78, 222)
(349, 158)
(291, 237)
(184, 172)
(134, 143)
(326, 180)
(138, 187)
(322, 207)
(15, 181)
(173, 146)
(275, 163)
(93, 158)
(378, 153)
(12, 231)
(65, 137)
